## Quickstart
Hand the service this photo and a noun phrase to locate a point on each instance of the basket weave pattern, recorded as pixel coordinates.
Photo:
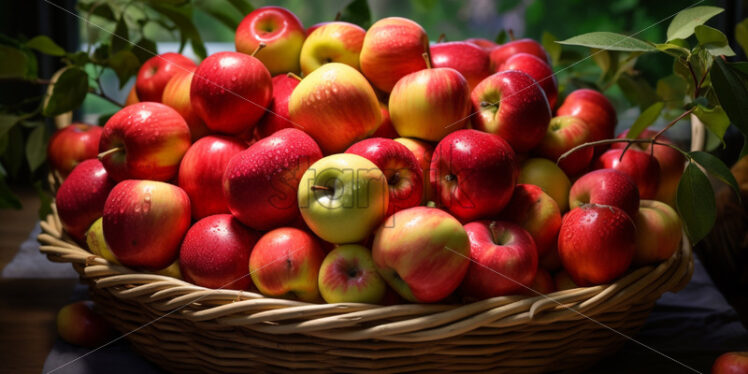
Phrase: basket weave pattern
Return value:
(186, 328)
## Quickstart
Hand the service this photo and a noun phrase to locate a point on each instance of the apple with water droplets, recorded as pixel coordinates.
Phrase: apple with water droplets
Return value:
(348, 275)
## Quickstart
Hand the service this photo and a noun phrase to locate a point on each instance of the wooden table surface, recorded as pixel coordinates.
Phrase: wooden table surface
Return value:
(28, 307)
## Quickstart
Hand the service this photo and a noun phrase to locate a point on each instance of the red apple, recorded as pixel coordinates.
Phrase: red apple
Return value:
(144, 141)
(422, 253)
(430, 103)
(400, 167)
(215, 253)
(542, 284)
(537, 213)
(538, 69)
(596, 243)
(348, 275)
(201, 173)
(177, 96)
(658, 232)
(71, 145)
(145, 221)
(593, 108)
(486, 44)
(467, 58)
(605, 187)
(277, 117)
(280, 31)
(81, 197)
(260, 183)
(156, 73)
(385, 129)
(285, 263)
(473, 174)
(423, 151)
(230, 92)
(640, 166)
(563, 281)
(336, 106)
(332, 42)
(510, 104)
(503, 259)
(79, 324)
(731, 363)
(499, 55)
(563, 134)
(393, 48)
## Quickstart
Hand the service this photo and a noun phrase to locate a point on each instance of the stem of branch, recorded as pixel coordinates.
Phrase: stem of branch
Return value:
(673, 122)
(695, 81)
(611, 141)
(104, 96)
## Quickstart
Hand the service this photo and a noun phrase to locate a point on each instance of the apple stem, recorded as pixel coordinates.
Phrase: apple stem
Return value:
(108, 152)
(431, 204)
(259, 47)
(442, 37)
(320, 188)
(427, 58)
(337, 16)
(293, 75)
(511, 35)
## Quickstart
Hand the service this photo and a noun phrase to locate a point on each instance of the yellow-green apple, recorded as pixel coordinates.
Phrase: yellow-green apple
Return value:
(605, 187)
(640, 166)
(177, 96)
(400, 167)
(260, 184)
(144, 141)
(473, 174)
(658, 232)
(336, 106)
(81, 197)
(71, 145)
(670, 160)
(156, 73)
(486, 44)
(537, 213)
(563, 134)
(503, 52)
(279, 30)
(423, 151)
(593, 108)
(348, 275)
(132, 97)
(171, 270)
(201, 173)
(543, 283)
(96, 242)
(385, 129)
(549, 177)
(277, 118)
(230, 92)
(538, 69)
(467, 58)
(332, 42)
(503, 257)
(393, 48)
(596, 243)
(343, 191)
(731, 363)
(430, 103)
(563, 281)
(285, 263)
(145, 221)
(511, 104)
(422, 253)
(79, 324)
(215, 253)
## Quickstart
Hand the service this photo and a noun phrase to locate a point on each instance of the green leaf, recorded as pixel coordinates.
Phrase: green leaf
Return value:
(101, 53)
(672, 90)
(680, 68)
(548, 41)
(741, 35)
(603, 59)
(7, 121)
(646, 119)
(100, 9)
(357, 12)
(7, 198)
(683, 24)
(610, 41)
(44, 44)
(695, 203)
(673, 49)
(637, 90)
(13, 63)
(715, 120)
(713, 41)
(181, 19)
(218, 10)
(501, 37)
(145, 49)
(67, 93)
(36, 147)
(121, 37)
(125, 64)
(717, 168)
(80, 58)
(732, 94)
(243, 6)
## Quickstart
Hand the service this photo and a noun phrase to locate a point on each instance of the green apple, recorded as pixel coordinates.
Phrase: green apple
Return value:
(549, 177)
(343, 197)
(97, 244)
(348, 275)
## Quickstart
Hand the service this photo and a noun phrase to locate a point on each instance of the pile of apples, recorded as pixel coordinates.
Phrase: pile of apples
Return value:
(394, 169)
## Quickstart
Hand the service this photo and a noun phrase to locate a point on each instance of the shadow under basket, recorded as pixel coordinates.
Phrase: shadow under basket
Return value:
(182, 327)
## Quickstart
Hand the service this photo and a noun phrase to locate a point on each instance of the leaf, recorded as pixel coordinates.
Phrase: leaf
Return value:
(221, 13)
(673, 49)
(7, 121)
(603, 59)
(695, 203)
(184, 23)
(610, 41)
(13, 63)
(145, 49)
(672, 90)
(44, 44)
(715, 120)
(680, 68)
(646, 119)
(501, 37)
(101, 53)
(717, 168)
(713, 41)
(358, 13)
(100, 9)
(36, 148)
(243, 6)
(741, 35)
(67, 93)
(120, 37)
(637, 90)
(683, 24)
(125, 64)
(554, 49)
(732, 94)
(7, 198)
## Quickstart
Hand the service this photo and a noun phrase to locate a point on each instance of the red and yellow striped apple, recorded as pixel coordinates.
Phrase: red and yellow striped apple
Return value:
(280, 31)
(277, 117)
(72, 145)
(348, 275)
(423, 151)
(385, 129)
(177, 96)
(563, 134)
(658, 232)
(593, 108)
(467, 58)
(332, 42)
(156, 73)
(640, 166)
(538, 69)
(500, 54)
(537, 213)
(605, 187)
(79, 324)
